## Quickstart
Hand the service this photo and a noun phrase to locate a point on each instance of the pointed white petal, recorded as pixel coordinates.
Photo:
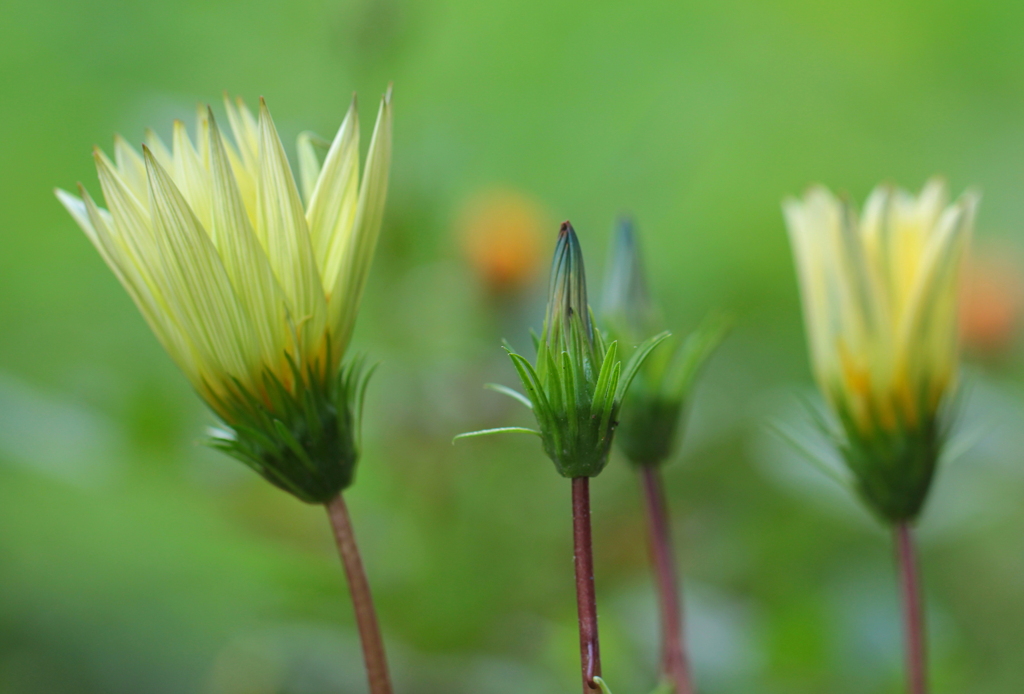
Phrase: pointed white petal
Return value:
(244, 130)
(281, 229)
(131, 226)
(203, 134)
(198, 291)
(244, 259)
(358, 254)
(130, 166)
(159, 150)
(309, 163)
(96, 225)
(190, 176)
(334, 199)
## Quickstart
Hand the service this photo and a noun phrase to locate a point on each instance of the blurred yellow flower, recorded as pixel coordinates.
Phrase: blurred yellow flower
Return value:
(235, 275)
(879, 294)
(880, 298)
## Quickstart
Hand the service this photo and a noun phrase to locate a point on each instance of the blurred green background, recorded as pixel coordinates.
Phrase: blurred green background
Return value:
(133, 560)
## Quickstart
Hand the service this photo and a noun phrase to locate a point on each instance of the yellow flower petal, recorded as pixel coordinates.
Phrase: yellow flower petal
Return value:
(244, 259)
(190, 175)
(281, 228)
(333, 201)
(351, 279)
(879, 295)
(198, 291)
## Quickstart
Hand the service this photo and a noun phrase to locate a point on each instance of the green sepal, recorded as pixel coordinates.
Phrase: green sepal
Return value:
(637, 360)
(893, 469)
(653, 409)
(499, 430)
(512, 393)
(303, 439)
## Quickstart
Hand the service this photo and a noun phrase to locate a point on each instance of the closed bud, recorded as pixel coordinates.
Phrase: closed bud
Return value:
(879, 294)
(652, 413)
(577, 384)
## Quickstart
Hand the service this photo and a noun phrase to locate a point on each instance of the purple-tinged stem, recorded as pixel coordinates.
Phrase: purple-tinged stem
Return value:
(362, 600)
(586, 600)
(913, 616)
(674, 664)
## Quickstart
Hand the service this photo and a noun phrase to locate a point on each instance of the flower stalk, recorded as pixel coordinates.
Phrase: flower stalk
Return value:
(362, 600)
(586, 598)
(675, 667)
(913, 615)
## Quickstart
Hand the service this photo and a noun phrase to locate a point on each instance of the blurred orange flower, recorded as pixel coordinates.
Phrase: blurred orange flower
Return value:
(499, 232)
(992, 299)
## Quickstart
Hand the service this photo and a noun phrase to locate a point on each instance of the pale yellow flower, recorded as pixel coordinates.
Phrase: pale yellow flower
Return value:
(879, 295)
(234, 274)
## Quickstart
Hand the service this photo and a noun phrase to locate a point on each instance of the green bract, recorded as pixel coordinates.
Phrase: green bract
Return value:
(577, 384)
(893, 470)
(653, 408)
(304, 437)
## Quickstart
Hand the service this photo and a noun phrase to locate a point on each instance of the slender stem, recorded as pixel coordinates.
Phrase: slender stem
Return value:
(586, 601)
(674, 665)
(362, 600)
(913, 617)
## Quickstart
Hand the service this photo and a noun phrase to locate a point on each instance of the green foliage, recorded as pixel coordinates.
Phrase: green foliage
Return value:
(304, 438)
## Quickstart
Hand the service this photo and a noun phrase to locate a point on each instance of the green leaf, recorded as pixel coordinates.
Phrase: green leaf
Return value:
(499, 430)
(604, 687)
(636, 361)
(505, 390)
(797, 442)
(694, 353)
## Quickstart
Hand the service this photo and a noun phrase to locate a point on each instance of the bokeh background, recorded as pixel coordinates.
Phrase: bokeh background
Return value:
(134, 561)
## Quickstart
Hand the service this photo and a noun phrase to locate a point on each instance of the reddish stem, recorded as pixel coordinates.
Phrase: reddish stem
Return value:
(586, 600)
(913, 616)
(362, 600)
(674, 665)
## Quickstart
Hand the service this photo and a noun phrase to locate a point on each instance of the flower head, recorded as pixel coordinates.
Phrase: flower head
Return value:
(651, 414)
(880, 306)
(576, 387)
(252, 293)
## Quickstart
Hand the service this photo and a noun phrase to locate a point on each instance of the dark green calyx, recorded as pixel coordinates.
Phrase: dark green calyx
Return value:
(651, 420)
(893, 470)
(576, 386)
(304, 438)
(651, 416)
